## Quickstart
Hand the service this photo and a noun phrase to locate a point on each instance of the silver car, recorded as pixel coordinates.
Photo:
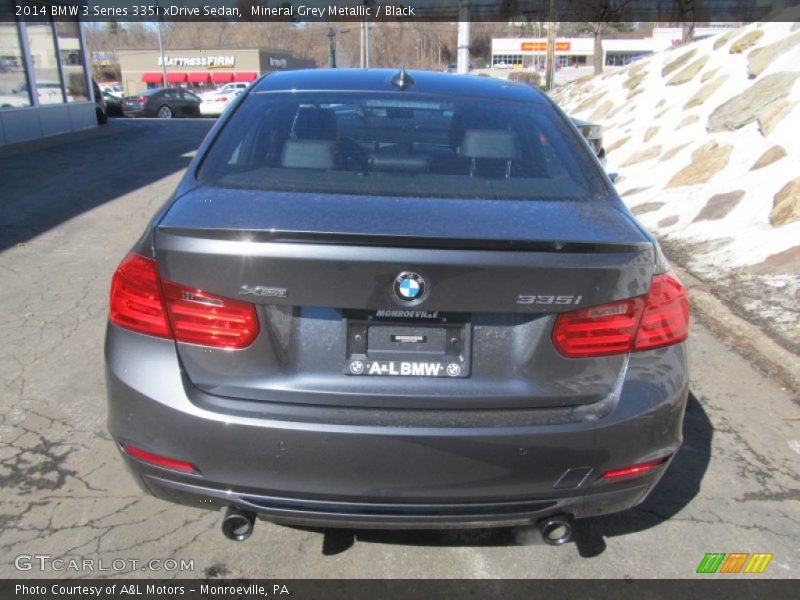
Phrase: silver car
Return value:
(396, 300)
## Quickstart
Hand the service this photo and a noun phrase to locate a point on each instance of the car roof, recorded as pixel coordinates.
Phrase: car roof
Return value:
(379, 80)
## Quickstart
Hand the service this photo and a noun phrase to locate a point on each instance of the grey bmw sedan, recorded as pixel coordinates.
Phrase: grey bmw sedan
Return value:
(399, 300)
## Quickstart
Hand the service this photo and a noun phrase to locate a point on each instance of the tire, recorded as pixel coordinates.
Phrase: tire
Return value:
(102, 118)
(164, 112)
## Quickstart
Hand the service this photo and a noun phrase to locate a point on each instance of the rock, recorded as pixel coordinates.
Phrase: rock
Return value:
(678, 62)
(746, 41)
(614, 112)
(642, 155)
(719, 205)
(704, 92)
(661, 103)
(646, 208)
(651, 131)
(786, 204)
(662, 113)
(669, 221)
(769, 157)
(688, 73)
(787, 261)
(633, 93)
(745, 107)
(760, 58)
(633, 82)
(589, 102)
(772, 115)
(636, 68)
(687, 120)
(671, 153)
(708, 75)
(724, 39)
(601, 111)
(634, 191)
(617, 144)
(707, 161)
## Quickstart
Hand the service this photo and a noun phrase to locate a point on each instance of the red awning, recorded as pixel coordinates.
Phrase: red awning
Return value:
(244, 77)
(222, 77)
(176, 77)
(198, 78)
(152, 78)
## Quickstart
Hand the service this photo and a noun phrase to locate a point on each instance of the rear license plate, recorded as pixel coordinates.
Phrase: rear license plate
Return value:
(406, 349)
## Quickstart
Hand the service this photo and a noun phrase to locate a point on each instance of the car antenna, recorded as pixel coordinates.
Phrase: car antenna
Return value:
(402, 79)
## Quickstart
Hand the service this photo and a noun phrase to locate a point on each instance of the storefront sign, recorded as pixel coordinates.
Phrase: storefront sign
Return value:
(278, 63)
(542, 46)
(209, 62)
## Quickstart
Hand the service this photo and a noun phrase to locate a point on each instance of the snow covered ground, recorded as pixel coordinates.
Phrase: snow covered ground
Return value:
(706, 139)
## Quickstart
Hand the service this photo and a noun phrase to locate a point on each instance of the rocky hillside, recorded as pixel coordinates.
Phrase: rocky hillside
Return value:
(706, 139)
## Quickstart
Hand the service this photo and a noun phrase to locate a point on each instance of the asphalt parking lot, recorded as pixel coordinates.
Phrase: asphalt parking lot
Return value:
(69, 212)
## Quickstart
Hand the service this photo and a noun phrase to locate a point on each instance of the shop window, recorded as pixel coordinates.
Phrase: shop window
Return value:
(69, 45)
(13, 82)
(45, 63)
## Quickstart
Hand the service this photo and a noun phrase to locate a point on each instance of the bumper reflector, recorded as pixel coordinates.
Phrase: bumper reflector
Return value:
(639, 469)
(159, 461)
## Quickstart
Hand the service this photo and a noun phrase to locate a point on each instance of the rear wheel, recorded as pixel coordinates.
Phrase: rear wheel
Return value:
(165, 112)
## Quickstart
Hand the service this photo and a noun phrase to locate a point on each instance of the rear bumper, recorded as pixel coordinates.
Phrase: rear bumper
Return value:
(319, 466)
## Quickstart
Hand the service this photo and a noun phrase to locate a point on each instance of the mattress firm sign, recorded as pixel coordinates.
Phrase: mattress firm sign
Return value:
(209, 62)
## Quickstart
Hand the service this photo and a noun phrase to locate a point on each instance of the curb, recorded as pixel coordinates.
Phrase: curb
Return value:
(744, 337)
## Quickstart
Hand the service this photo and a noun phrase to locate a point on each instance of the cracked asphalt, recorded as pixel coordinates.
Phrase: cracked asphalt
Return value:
(69, 212)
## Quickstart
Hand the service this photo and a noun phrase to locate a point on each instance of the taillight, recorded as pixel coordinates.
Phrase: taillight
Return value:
(141, 302)
(198, 317)
(659, 318)
(136, 302)
(221, 100)
(141, 99)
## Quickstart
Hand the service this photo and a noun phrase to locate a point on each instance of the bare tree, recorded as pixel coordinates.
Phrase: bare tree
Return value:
(599, 15)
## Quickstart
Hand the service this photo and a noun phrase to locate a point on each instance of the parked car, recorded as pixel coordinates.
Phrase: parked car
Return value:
(100, 107)
(594, 135)
(164, 103)
(228, 88)
(212, 105)
(430, 309)
(13, 101)
(113, 89)
(48, 92)
(113, 104)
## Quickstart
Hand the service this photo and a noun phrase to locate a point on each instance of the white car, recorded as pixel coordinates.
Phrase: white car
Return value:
(13, 101)
(212, 105)
(228, 88)
(114, 89)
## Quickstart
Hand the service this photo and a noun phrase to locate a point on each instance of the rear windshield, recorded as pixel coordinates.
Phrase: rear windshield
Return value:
(401, 145)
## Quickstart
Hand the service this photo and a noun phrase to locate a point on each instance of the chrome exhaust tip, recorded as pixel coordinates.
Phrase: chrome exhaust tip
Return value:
(556, 530)
(237, 524)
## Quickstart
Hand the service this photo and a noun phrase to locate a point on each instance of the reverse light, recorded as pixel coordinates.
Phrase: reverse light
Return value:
(142, 302)
(159, 461)
(633, 470)
(659, 318)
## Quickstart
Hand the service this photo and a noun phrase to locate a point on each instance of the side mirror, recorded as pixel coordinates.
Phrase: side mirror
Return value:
(613, 177)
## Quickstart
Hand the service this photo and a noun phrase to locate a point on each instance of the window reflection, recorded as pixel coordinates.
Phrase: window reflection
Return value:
(45, 63)
(72, 61)
(13, 91)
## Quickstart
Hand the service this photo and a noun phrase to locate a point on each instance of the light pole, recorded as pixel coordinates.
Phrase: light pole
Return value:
(161, 48)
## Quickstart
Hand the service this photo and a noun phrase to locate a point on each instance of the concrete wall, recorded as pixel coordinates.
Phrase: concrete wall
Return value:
(30, 123)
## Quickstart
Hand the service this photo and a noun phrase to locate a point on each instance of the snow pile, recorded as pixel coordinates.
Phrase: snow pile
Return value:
(706, 139)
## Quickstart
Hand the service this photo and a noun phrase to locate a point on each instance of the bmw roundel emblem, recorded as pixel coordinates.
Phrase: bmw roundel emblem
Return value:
(409, 287)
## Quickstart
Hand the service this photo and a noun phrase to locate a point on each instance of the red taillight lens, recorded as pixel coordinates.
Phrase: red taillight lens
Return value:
(221, 100)
(159, 461)
(659, 318)
(141, 99)
(136, 302)
(639, 469)
(198, 317)
(666, 317)
(143, 303)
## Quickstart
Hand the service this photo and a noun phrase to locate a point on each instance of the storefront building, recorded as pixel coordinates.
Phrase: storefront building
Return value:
(198, 69)
(530, 53)
(45, 88)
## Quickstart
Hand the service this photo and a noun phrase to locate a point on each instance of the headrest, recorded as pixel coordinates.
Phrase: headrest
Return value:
(314, 124)
(489, 143)
(309, 154)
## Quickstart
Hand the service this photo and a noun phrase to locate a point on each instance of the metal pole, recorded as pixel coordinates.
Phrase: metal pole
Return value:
(363, 59)
(366, 43)
(462, 56)
(331, 48)
(161, 51)
(550, 66)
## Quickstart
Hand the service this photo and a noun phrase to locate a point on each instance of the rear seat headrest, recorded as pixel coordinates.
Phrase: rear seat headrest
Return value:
(489, 143)
(312, 123)
(310, 154)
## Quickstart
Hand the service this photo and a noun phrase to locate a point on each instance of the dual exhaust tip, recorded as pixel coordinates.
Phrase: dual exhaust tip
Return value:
(238, 524)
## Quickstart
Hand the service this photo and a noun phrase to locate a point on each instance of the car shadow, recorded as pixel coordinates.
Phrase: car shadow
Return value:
(48, 182)
(680, 484)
